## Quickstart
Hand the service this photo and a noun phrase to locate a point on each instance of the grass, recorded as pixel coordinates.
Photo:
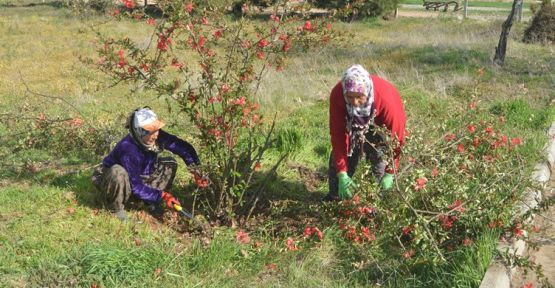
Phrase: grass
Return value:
(52, 235)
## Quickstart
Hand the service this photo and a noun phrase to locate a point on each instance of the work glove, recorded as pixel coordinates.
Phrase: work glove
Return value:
(345, 185)
(170, 200)
(387, 181)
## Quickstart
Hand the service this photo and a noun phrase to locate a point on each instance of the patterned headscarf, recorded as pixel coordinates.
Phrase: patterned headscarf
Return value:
(357, 79)
(142, 122)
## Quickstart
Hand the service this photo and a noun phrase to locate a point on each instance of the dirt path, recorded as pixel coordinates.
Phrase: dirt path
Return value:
(477, 13)
(544, 255)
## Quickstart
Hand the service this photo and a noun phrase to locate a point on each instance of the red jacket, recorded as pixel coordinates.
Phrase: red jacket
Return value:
(389, 113)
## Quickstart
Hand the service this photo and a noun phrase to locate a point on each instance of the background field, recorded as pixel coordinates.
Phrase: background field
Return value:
(52, 232)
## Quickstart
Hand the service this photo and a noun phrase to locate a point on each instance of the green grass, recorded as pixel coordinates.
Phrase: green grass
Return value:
(44, 243)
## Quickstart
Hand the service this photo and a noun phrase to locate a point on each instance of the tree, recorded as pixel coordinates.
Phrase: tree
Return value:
(501, 48)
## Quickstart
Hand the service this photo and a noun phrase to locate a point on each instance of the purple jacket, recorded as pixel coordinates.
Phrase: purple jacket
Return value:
(138, 161)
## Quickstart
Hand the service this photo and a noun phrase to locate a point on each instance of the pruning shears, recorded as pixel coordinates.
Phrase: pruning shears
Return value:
(183, 212)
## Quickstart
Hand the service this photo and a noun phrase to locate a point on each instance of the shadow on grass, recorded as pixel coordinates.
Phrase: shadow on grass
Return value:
(80, 182)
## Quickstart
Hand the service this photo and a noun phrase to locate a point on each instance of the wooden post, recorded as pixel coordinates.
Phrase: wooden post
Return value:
(396, 13)
(465, 9)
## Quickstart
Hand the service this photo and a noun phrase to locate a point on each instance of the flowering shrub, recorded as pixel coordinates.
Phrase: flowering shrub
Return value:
(212, 67)
(61, 136)
(448, 191)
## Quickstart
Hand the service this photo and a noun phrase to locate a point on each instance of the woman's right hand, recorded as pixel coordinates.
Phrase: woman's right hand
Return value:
(170, 200)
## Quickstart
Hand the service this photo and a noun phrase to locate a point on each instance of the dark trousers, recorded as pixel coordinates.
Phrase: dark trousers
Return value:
(115, 188)
(374, 148)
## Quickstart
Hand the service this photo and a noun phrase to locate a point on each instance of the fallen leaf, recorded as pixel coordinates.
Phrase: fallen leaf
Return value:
(157, 271)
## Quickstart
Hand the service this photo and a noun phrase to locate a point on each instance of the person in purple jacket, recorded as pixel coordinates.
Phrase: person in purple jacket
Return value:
(134, 170)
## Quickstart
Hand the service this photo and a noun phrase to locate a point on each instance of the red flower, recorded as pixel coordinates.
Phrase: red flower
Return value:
(351, 232)
(472, 105)
(450, 137)
(356, 199)
(365, 231)
(204, 21)
(163, 42)
(457, 206)
(420, 183)
(489, 130)
(240, 101)
(467, 242)
(307, 26)
(435, 172)
(201, 182)
(328, 26)
(274, 18)
(286, 46)
(460, 148)
(307, 232)
(189, 7)
(121, 55)
(114, 13)
(271, 266)
(406, 230)
(318, 233)
(144, 67)
(446, 221)
(471, 128)
(242, 237)
(263, 43)
(218, 33)
(215, 132)
(201, 41)
(151, 21)
(290, 244)
(260, 55)
(516, 141)
(476, 142)
(408, 254)
(130, 4)
(176, 64)
(224, 88)
(517, 230)
(528, 285)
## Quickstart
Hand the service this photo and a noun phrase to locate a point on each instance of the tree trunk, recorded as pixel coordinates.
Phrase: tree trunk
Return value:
(501, 48)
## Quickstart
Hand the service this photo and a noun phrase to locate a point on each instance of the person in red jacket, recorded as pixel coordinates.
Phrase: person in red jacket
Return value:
(358, 104)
